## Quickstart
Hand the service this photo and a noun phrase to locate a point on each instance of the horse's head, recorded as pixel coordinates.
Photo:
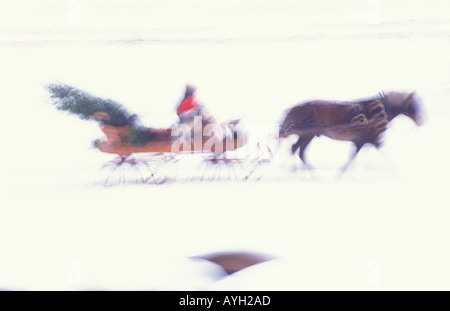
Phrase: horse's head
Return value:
(408, 104)
(413, 108)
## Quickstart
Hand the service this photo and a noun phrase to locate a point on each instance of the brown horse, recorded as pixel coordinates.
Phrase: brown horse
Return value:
(361, 122)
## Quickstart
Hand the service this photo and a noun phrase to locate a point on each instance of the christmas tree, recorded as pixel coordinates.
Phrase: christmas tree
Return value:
(105, 111)
(85, 105)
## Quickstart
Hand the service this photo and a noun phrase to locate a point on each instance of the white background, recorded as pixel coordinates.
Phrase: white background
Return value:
(388, 216)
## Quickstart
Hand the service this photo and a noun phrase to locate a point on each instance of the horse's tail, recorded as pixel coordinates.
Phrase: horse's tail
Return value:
(297, 117)
(287, 124)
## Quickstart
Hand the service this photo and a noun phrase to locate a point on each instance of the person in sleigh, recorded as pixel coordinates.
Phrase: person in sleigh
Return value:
(191, 107)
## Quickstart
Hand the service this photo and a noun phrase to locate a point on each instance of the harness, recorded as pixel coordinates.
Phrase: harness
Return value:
(360, 118)
(371, 115)
(378, 117)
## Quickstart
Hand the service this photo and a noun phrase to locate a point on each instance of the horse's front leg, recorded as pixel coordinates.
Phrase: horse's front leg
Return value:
(345, 167)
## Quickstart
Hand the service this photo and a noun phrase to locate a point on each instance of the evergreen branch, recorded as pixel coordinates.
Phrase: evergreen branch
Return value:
(84, 105)
(105, 111)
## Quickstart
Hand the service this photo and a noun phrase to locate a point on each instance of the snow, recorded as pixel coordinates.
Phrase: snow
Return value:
(387, 216)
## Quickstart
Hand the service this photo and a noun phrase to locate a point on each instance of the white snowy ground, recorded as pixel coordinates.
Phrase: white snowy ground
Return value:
(384, 225)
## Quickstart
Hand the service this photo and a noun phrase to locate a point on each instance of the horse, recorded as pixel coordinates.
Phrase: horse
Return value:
(360, 122)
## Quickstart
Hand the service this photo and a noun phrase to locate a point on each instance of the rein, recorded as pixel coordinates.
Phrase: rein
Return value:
(386, 104)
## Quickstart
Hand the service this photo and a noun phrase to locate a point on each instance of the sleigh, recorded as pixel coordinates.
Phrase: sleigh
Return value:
(142, 163)
(149, 155)
(163, 141)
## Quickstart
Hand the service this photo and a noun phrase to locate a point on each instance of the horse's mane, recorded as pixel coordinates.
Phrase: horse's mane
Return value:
(395, 99)
(392, 98)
